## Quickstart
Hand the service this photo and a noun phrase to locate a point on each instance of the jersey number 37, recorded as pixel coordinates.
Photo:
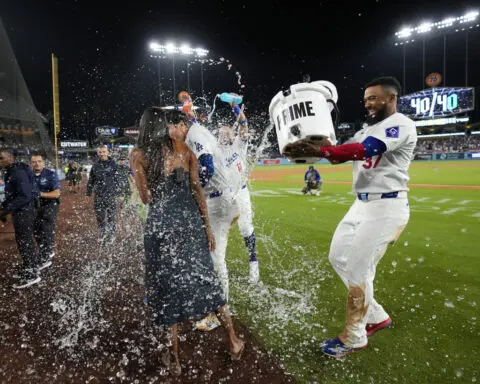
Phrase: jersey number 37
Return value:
(369, 163)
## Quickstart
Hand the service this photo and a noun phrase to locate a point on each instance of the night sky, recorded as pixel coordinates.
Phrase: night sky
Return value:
(107, 76)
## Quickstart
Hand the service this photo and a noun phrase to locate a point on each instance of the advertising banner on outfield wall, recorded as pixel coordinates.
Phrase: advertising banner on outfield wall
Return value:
(417, 157)
(270, 161)
(450, 156)
(284, 161)
(423, 156)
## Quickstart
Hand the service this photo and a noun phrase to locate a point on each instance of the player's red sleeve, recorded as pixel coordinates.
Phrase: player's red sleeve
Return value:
(344, 152)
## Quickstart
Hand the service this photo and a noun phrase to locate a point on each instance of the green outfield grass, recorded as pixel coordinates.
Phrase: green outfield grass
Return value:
(429, 282)
(427, 172)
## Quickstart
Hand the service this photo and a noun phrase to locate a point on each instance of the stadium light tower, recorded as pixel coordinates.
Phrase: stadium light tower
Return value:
(161, 51)
(408, 35)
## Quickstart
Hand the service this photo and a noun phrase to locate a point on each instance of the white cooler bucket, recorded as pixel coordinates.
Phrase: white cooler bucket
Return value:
(304, 113)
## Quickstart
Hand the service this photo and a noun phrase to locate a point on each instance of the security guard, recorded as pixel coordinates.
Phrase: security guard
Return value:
(47, 210)
(20, 196)
(103, 181)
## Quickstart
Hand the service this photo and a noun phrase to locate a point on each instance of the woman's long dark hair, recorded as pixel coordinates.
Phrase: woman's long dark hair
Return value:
(154, 140)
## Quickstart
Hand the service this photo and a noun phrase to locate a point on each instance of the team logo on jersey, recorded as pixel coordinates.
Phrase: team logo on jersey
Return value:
(231, 159)
(392, 132)
(198, 146)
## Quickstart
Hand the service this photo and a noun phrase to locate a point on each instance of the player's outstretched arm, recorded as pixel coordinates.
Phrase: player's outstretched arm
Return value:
(199, 196)
(242, 121)
(371, 146)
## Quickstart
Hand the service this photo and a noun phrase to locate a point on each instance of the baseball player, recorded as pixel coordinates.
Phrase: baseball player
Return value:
(313, 182)
(381, 154)
(234, 148)
(224, 175)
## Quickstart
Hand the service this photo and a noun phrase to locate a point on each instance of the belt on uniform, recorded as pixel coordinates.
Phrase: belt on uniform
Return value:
(378, 196)
(218, 193)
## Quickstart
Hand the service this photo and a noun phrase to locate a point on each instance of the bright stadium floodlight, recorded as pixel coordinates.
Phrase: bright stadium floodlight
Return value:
(445, 23)
(161, 51)
(450, 23)
(424, 28)
(186, 50)
(200, 52)
(405, 32)
(154, 46)
(170, 48)
(468, 17)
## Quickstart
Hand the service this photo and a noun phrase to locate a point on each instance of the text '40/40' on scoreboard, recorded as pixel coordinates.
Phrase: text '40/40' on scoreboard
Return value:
(438, 102)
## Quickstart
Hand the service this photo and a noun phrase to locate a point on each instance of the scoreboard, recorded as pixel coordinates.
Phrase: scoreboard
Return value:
(437, 102)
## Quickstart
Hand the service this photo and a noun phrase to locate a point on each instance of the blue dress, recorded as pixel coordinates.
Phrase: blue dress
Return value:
(180, 279)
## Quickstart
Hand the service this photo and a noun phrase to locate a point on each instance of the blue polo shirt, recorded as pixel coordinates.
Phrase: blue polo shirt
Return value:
(47, 180)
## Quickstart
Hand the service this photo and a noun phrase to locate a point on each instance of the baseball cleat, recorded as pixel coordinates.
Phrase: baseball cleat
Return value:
(373, 328)
(208, 323)
(254, 273)
(336, 348)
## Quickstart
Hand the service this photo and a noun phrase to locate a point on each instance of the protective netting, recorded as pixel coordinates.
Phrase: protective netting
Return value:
(21, 126)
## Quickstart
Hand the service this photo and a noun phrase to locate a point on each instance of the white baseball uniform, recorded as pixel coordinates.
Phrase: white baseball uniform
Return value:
(226, 192)
(376, 218)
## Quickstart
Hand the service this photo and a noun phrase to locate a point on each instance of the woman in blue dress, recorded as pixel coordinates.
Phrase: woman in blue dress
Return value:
(180, 279)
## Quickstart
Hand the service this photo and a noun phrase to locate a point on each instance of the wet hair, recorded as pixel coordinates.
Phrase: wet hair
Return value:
(36, 154)
(8, 151)
(389, 84)
(154, 140)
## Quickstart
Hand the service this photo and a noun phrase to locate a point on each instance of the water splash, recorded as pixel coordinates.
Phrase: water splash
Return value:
(81, 314)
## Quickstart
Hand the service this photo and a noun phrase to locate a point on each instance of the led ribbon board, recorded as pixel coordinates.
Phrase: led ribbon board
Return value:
(437, 102)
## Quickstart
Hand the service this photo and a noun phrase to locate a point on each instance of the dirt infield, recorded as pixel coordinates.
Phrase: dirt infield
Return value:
(279, 175)
(86, 321)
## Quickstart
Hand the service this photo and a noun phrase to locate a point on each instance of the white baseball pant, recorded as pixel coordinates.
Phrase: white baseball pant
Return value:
(244, 208)
(359, 242)
(221, 212)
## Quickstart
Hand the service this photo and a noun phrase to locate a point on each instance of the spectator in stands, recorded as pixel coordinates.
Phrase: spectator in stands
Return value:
(20, 196)
(47, 210)
(452, 143)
